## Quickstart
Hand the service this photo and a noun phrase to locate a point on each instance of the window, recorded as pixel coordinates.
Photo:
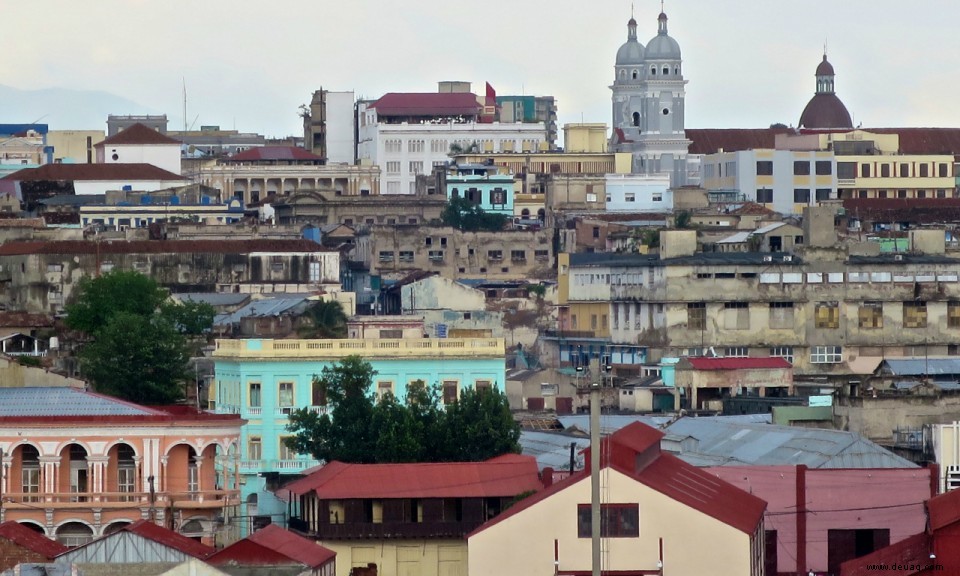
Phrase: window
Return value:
(494, 254)
(630, 197)
(864, 170)
(436, 255)
(657, 196)
(801, 168)
(284, 452)
(736, 352)
(846, 170)
(254, 451)
(765, 196)
(801, 196)
(286, 394)
(415, 146)
(826, 354)
(924, 171)
(616, 521)
(824, 168)
(915, 314)
(781, 315)
(416, 167)
(785, 352)
(884, 170)
(483, 385)
(943, 170)
(406, 256)
(901, 193)
(276, 263)
(696, 316)
(953, 314)
(870, 315)
(827, 315)
(393, 167)
(596, 231)
(823, 194)
(30, 473)
(764, 168)
(498, 197)
(386, 256)
(450, 391)
(318, 393)
(518, 255)
(541, 254)
(904, 171)
(384, 387)
(256, 400)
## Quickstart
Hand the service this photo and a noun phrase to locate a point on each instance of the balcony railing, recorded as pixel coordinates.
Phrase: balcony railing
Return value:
(195, 499)
(368, 348)
(378, 530)
(292, 465)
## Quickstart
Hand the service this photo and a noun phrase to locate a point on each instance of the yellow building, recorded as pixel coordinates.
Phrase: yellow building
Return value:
(74, 146)
(585, 138)
(655, 510)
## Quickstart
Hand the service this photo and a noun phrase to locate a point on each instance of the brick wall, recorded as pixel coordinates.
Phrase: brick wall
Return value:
(12, 554)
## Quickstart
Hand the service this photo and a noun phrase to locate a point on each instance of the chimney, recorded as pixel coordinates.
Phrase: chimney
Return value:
(546, 477)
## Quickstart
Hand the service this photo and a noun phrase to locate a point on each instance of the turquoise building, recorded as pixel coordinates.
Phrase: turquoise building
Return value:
(265, 380)
(482, 185)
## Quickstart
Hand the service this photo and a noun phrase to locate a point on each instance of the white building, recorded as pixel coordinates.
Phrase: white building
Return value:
(408, 133)
(140, 144)
(782, 180)
(639, 193)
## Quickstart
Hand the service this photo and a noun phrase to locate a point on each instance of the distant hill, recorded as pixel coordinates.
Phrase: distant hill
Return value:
(64, 109)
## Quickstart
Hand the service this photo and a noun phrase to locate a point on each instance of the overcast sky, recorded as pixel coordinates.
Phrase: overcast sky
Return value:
(250, 64)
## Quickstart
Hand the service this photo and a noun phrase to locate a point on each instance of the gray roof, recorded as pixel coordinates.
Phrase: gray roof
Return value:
(698, 259)
(552, 449)
(919, 366)
(610, 423)
(74, 200)
(265, 307)
(213, 298)
(53, 401)
(720, 442)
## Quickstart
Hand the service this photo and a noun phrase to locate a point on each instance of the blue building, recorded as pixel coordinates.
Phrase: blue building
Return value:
(265, 380)
(481, 185)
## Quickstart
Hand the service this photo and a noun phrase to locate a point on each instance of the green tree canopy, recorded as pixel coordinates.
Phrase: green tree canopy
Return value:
(463, 214)
(324, 319)
(359, 429)
(95, 300)
(188, 317)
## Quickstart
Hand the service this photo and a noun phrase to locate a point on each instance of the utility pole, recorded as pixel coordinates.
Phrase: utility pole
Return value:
(595, 463)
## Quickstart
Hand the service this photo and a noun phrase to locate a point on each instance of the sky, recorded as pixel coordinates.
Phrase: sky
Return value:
(249, 65)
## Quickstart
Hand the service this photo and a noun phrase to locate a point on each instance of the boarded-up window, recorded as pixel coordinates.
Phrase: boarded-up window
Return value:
(391, 334)
(914, 314)
(736, 316)
(696, 316)
(953, 314)
(827, 315)
(870, 315)
(781, 315)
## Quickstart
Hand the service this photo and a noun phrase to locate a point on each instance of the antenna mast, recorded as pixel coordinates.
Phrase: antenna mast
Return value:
(184, 105)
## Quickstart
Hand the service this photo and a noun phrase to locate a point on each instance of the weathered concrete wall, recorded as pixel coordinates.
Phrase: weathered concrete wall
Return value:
(15, 375)
(876, 418)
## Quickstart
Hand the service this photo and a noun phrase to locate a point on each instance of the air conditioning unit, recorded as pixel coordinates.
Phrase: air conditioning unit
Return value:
(788, 258)
(768, 258)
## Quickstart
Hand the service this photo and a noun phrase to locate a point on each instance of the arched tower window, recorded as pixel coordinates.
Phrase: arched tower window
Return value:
(634, 74)
(636, 118)
(666, 70)
(676, 70)
(623, 74)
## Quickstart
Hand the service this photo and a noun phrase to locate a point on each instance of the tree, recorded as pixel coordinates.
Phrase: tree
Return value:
(463, 214)
(138, 358)
(188, 317)
(325, 319)
(95, 300)
(477, 427)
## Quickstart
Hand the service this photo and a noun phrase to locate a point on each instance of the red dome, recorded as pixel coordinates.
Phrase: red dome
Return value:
(825, 110)
(825, 68)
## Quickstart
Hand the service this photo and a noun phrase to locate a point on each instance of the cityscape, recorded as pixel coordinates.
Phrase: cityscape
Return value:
(450, 328)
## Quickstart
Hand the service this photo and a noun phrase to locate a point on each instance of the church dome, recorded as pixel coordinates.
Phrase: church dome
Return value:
(631, 53)
(825, 68)
(825, 110)
(662, 46)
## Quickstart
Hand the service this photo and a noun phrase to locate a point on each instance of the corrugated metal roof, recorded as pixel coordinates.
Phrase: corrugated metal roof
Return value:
(920, 366)
(160, 247)
(73, 172)
(213, 298)
(265, 307)
(738, 238)
(553, 449)
(140, 542)
(30, 539)
(499, 477)
(944, 509)
(730, 443)
(306, 552)
(54, 401)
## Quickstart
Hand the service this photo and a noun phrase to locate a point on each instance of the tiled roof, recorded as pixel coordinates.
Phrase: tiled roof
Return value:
(137, 134)
(30, 539)
(159, 247)
(34, 223)
(913, 210)
(306, 552)
(666, 474)
(266, 153)
(752, 209)
(56, 401)
(712, 140)
(427, 104)
(108, 172)
(703, 363)
(493, 478)
(25, 319)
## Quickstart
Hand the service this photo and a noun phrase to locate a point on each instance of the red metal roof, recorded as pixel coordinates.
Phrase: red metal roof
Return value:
(666, 474)
(137, 134)
(914, 551)
(427, 104)
(274, 545)
(944, 509)
(30, 539)
(338, 480)
(160, 247)
(107, 172)
(169, 538)
(272, 153)
(703, 363)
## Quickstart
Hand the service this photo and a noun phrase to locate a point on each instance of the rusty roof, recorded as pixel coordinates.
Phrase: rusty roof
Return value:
(915, 210)
(137, 134)
(271, 153)
(712, 140)
(73, 172)
(427, 104)
(703, 363)
(20, 319)
(160, 247)
(34, 223)
(30, 539)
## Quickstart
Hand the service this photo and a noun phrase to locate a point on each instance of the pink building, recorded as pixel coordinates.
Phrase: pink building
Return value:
(839, 513)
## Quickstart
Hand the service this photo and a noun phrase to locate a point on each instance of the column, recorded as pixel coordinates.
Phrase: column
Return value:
(49, 466)
(138, 475)
(160, 482)
(199, 465)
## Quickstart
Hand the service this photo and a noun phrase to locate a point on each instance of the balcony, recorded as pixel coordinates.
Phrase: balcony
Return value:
(110, 500)
(423, 348)
(383, 530)
(293, 465)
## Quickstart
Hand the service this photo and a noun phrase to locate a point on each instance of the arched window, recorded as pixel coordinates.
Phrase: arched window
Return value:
(636, 118)
(666, 70)
(653, 70)
(676, 70)
(623, 74)
(634, 74)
